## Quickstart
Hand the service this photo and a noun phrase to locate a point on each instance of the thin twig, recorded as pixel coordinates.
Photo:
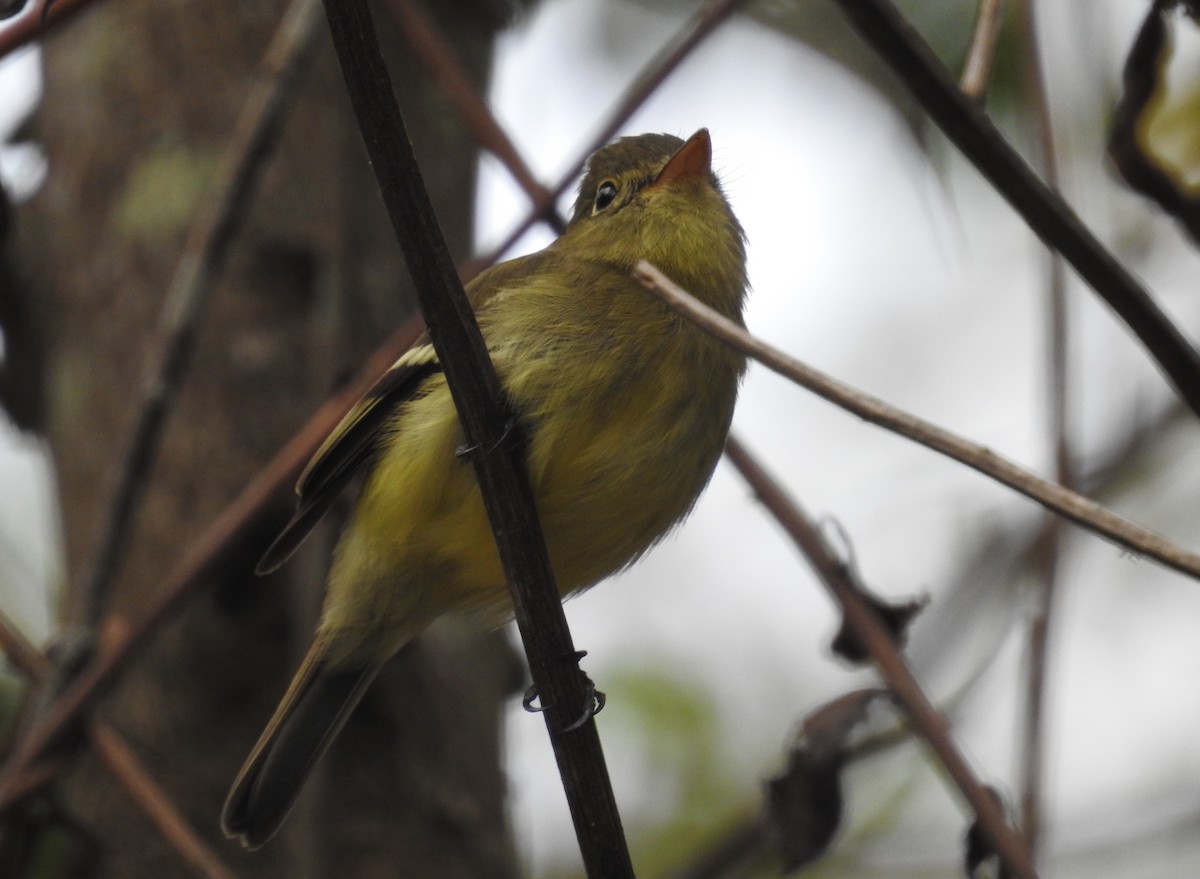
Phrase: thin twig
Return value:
(20, 651)
(1079, 509)
(33, 664)
(154, 801)
(662, 65)
(207, 242)
(715, 863)
(117, 755)
(425, 41)
(237, 533)
(1033, 741)
(886, 30)
(977, 71)
(886, 657)
(112, 749)
(28, 781)
(483, 413)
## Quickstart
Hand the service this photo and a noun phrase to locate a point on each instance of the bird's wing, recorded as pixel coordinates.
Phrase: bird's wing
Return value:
(348, 447)
(355, 440)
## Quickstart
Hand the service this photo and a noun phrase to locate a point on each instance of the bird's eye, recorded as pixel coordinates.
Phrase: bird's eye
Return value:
(605, 193)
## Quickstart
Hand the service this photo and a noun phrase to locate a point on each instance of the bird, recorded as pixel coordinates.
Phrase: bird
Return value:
(624, 404)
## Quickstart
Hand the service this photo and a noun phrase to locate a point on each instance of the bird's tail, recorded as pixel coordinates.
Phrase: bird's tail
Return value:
(313, 710)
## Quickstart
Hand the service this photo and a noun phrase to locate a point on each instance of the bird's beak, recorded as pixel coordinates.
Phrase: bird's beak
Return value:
(691, 162)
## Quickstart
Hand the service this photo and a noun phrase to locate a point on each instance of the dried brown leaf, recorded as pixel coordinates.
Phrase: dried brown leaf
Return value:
(804, 803)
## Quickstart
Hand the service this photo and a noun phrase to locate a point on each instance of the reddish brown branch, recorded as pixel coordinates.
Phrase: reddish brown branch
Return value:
(154, 801)
(20, 652)
(886, 657)
(208, 239)
(235, 535)
(743, 842)
(120, 759)
(424, 39)
(28, 780)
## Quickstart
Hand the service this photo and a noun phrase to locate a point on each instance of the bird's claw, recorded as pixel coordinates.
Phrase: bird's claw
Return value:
(531, 696)
(593, 703)
(466, 449)
(592, 706)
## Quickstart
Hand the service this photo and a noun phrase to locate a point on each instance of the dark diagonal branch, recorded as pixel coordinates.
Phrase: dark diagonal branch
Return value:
(890, 35)
(487, 424)
(886, 657)
(1081, 510)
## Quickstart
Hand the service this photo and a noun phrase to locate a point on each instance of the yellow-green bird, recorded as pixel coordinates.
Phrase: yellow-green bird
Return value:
(625, 406)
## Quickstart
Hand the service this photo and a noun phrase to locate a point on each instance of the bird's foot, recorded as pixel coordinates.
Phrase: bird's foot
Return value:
(594, 699)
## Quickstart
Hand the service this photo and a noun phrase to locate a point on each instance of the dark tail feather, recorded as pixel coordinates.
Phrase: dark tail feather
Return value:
(313, 711)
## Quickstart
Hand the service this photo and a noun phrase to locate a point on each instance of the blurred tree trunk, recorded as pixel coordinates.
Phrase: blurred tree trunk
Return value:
(140, 99)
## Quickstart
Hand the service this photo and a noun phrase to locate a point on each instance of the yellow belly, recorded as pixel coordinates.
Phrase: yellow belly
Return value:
(612, 469)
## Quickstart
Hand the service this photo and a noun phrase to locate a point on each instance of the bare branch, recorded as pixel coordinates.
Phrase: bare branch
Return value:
(428, 45)
(487, 424)
(117, 755)
(744, 840)
(978, 69)
(235, 535)
(1079, 509)
(1033, 740)
(886, 30)
(154, 801)
(886, 657)
(20, 652)
(207, 242)
(29, 780)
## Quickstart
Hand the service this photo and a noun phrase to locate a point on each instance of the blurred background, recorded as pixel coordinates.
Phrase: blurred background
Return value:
(877, 254)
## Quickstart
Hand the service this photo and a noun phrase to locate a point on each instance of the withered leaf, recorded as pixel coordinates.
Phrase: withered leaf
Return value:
(1131, 145)
(804, 803)
(896, 618)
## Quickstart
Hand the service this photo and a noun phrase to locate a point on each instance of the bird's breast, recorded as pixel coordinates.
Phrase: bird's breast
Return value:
(617, 460)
